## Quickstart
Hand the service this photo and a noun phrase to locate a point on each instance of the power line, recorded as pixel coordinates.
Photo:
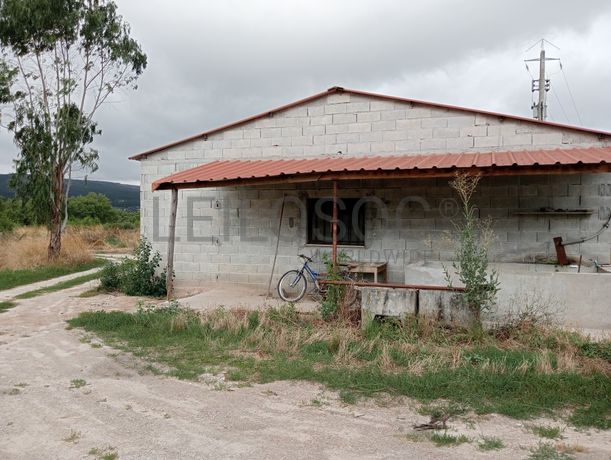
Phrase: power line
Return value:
(560, 104)
(566, 81)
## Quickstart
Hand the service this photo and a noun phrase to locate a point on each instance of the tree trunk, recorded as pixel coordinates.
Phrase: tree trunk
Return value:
(57, 200)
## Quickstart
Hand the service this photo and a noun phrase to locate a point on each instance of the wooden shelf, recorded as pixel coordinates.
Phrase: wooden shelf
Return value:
(554, 212)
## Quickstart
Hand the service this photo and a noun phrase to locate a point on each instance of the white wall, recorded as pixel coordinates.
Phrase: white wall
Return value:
(239, 242)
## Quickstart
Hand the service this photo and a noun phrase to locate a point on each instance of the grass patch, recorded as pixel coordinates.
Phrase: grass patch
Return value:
(7, 305)
(548, 452)
(91, 292)
(490, 443)
(549, 432)
(14, 278)
(347, 397)
(59, 286)
(535, 374)
(104, 453)
(77, 383)
(73, 437)
(446, 440)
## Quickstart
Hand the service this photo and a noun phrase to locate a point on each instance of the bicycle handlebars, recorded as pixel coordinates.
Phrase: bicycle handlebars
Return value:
(303, 256)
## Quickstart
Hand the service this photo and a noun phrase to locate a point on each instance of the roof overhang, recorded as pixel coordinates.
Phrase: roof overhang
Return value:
(225, 173)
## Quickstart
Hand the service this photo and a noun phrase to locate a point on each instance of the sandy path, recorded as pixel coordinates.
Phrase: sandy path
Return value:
(9, 294)
(147, 416)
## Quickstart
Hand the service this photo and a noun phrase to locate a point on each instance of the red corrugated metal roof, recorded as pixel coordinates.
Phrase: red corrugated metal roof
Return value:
(244, 172)
(338, 89)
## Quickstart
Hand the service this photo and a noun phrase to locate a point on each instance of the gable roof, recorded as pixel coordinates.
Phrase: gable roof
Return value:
(339, 89)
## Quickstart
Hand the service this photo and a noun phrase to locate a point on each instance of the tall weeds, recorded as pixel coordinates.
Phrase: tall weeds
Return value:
(26, 247)
(471, 257)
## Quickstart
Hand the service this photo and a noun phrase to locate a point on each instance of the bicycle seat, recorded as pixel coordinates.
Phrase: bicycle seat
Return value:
(305, 257)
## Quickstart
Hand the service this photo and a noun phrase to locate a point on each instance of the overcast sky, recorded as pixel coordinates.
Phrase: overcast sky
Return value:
(212, 62)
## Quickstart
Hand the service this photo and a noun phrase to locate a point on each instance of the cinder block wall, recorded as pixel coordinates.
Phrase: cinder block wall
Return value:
(234, 238)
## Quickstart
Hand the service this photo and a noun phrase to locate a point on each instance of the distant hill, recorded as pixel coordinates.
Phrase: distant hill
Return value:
(121, 195)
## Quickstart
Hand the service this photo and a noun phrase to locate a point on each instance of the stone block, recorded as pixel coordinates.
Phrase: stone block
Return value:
(357, 107)
(386, 125)
(335, 108)
(434, 122)
(393, 114)
(381, 105)
(359, 127)
(292, 131)
(474, 131)
(459, 143)
(487, 142)
(340, 118)
(424, 133)
(517, 139)
(444, 132)
(367, 117)
(338, 98)
(316, 111)
(432, 144)
(445, 306)
(271, 132)
(396, 303)
(461, 121)
(551, 138)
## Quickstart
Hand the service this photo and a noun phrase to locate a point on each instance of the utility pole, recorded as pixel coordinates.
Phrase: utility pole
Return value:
(542, 85)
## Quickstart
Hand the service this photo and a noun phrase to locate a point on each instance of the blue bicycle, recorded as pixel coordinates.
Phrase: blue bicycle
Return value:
(293, 285)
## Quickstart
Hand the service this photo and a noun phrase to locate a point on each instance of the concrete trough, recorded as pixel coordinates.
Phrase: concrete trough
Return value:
(444, 306)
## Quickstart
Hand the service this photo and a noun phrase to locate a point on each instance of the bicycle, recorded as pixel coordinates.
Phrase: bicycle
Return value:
(293, 285)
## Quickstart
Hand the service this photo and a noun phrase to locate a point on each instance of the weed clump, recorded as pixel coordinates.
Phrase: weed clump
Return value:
(471, 259)
(138, 276)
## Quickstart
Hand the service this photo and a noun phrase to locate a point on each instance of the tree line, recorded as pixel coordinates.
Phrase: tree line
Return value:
(90, 209)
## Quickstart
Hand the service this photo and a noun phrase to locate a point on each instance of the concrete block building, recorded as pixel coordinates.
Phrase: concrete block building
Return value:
(391, 160)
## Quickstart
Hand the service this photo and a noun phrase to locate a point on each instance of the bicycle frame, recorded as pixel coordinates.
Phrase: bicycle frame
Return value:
(312, 273)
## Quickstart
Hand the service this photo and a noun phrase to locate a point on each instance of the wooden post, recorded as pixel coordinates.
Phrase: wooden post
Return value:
(171, 237)
(334, 227)
(271, 276)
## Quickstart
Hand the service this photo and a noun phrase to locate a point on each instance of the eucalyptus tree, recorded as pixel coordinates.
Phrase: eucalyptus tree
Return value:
(61, 60)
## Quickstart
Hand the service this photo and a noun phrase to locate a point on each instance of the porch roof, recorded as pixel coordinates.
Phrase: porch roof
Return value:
(278, 171)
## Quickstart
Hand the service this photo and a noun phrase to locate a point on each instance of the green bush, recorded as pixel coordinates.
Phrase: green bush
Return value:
(471, 258)
(334, 294)
(125, 220)
(138, 276)
(96, 209)
(13, 213)
(110, 277)
(6, 223)
(92, 206)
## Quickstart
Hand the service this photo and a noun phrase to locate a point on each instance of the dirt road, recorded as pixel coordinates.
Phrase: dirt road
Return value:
(64, 396)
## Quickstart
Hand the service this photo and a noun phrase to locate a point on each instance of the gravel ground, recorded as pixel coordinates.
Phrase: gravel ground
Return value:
(140, 415)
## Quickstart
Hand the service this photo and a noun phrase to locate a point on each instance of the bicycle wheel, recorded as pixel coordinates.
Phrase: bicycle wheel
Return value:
(292, 286)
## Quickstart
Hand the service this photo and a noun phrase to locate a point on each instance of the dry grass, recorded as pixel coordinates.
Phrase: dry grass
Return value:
(26, 247)
(521, 375)
(100, 238)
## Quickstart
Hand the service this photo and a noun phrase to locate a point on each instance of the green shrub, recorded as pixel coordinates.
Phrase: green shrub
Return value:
(125, 220)
(471, 258)
(334, 294)
(138, 276)
(110, 277)
(96, 209)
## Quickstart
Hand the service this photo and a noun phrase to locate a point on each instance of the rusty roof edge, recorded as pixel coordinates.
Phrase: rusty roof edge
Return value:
(336, 89)
(419, 160)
